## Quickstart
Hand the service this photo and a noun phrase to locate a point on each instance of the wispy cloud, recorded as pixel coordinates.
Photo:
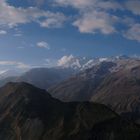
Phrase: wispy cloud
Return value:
(16, 64)
(11, 16)
(53, 21)
(3, 32)
(133, 33)
(17, 34)
(43, 44)
(90, 4)
(133, 6)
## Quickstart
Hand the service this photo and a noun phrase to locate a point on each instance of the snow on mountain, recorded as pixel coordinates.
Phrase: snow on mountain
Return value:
(81, 63)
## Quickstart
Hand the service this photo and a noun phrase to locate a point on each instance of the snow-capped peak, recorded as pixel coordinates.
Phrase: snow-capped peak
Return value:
(78, 63)
(103, 59)
(84, 63)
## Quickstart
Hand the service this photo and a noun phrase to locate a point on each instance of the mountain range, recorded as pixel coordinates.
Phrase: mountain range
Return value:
(113, 81)
(47, 77)
(115, 84)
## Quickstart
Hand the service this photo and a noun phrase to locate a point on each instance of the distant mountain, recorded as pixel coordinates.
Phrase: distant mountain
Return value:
(115, 84)
(81, 63)
(82, 86)
(47, 77)
(29, 113)
(42, 77)
(9, 73)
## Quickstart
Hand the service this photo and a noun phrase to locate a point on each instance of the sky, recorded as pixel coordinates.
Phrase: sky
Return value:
(38, 33)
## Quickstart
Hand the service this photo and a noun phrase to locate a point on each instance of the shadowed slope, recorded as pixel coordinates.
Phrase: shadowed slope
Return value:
(29, 113)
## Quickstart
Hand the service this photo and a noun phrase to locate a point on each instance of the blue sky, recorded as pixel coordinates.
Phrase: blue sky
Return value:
(40, 32)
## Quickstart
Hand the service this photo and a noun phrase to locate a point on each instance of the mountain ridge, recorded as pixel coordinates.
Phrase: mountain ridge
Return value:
(119, 88)
(28, 113)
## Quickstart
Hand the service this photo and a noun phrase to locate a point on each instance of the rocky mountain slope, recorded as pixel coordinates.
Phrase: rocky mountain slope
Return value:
(115, 84)
(82, 86)
(111, 81)
(121, 91)
(29, 113)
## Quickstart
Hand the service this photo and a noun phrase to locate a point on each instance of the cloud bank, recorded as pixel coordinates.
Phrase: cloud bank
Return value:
(100, 16)
(12, 16)
(15, 64)
(91, 16)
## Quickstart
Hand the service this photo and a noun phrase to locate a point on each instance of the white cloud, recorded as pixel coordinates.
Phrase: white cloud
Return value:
(133, 33)
(133, 6)
(65, 59)
(69, 62)
(53, 21)
(15, 64)
(43, 44)
(93, 22)
(3, 32)
(93, 15)
(11, 16)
